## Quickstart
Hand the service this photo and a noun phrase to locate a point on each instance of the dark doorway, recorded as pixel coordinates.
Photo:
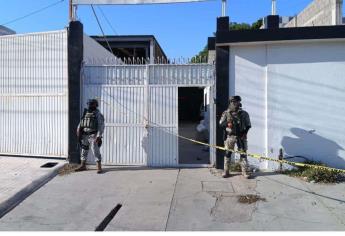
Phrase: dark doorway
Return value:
(191, 111)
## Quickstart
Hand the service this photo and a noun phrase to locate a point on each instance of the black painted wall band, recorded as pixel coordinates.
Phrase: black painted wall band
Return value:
(75, 58)
(281, 34)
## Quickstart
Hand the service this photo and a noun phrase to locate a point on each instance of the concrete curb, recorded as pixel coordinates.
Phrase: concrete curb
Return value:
(20, 196)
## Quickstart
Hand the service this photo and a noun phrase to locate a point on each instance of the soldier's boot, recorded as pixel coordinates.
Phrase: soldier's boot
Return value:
(244, 168)
(99, 167)
(82, 166)
(226, 174)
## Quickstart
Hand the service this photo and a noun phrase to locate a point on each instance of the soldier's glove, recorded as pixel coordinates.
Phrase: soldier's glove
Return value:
(98, 141)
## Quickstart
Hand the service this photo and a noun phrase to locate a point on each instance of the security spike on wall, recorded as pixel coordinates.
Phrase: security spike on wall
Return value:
(145, 61)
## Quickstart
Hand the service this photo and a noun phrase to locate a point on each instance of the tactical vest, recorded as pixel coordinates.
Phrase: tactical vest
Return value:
(89, 121)
(235, 121)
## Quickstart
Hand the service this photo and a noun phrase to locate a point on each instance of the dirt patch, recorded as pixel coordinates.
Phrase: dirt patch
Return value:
(250, 198)
(68, 169)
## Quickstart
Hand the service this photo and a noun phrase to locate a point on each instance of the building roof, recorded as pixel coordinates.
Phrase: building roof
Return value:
(6, 31)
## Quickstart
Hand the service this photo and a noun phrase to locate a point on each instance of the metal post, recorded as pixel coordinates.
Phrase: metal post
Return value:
(274, 7)
(223, 7)
(72, 11)
(280, 157)
(152, 52)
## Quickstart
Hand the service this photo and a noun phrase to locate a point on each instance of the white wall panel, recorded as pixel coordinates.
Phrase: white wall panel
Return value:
(248, 80)
(163, 121)
(94, 53)
(306, 100)
(122, 100)
(33, 94)
(298, 88)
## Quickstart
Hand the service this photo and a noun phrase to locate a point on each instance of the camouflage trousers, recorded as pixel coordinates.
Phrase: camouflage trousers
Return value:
(87, 142)
(242, 145)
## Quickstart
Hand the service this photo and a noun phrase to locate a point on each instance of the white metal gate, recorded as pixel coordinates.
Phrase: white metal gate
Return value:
(140, 106)
(34, 94)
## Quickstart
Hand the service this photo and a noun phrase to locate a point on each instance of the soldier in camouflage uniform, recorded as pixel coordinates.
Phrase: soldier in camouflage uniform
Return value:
(89, 132)
(236, 123)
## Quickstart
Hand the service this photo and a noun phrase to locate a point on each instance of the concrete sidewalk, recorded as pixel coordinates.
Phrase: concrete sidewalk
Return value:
(178, 199)
(20, 177)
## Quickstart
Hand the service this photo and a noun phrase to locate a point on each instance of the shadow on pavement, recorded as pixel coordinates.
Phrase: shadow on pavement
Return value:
(306, 191)
(131, 168)
(259, 174)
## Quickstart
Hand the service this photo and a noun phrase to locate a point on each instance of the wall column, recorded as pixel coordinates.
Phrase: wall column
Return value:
(75, 59)
(222, 87)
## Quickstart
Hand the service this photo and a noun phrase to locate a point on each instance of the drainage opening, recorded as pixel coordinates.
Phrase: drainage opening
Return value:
(108, 218)
(49, 165)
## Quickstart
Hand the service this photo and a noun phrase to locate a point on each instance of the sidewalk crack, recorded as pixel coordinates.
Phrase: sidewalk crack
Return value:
(172, 200)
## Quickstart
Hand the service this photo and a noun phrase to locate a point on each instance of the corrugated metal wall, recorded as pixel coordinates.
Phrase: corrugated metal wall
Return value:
(33, 94)
(140, 104)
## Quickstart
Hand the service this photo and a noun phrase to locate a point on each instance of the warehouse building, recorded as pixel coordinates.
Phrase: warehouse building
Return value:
(133, 46)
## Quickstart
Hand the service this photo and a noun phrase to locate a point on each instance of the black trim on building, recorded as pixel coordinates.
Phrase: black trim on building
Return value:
(75, 58)
(280, 34)
(272, 22)
(211, 43)
(223, 24)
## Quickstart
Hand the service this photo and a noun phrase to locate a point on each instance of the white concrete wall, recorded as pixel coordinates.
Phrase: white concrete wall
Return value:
(318, 13)
(306, 101)
(305, 98)
(94, 53)
(248, 79)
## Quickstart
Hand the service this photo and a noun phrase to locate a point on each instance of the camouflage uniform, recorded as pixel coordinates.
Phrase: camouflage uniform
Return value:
(89, 136)
(236, 125)
(90, 131)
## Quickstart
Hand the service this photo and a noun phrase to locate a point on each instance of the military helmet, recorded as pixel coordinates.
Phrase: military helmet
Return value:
(235, 98)
(92, 101)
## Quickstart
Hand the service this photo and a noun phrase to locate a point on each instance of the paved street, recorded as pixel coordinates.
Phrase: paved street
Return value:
(21, 176)
(178, 199)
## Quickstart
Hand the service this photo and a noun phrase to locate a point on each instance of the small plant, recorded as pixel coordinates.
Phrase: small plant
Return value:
(317, 175)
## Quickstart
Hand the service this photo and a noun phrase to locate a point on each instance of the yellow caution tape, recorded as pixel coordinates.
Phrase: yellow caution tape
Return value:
(260, 157)
(256, 156)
